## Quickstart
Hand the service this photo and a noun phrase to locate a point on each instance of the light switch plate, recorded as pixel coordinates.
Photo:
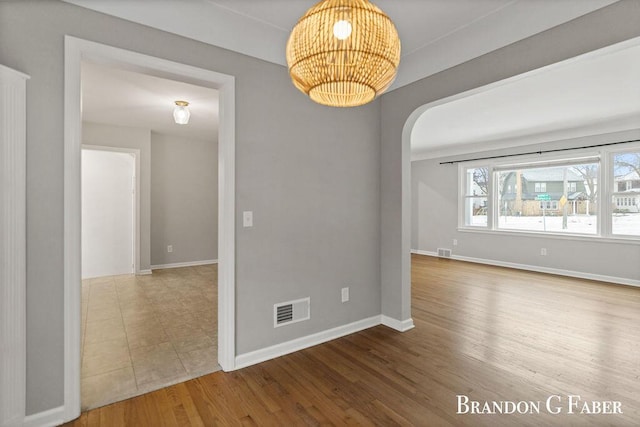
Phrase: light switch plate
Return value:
(345, 294)
(247, 219)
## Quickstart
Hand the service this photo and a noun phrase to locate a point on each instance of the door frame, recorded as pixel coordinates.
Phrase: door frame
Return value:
(77, 50)
(136, 200)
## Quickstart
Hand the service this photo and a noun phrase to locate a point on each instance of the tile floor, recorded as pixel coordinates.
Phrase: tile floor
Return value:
(142, 333)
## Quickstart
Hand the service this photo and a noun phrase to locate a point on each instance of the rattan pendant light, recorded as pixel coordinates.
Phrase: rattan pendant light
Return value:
(343, 53)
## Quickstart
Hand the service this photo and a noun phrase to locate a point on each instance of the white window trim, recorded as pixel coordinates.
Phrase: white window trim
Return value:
(605, 188)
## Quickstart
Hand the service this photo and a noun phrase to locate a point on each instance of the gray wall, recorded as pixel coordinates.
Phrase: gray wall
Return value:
(435, 213)
(184, 199)
(601, 28)
(309, 173)
(139, 139)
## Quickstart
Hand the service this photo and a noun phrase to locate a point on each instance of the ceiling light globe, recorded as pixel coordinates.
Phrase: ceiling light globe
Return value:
(343, 53)
(342, 29)
(181, 113)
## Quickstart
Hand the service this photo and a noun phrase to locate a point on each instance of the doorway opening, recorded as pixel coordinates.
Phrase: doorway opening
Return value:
(76, 52)
(109, 211)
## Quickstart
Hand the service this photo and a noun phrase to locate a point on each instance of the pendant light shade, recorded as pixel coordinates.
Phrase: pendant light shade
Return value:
(343, 53)
(181, 113)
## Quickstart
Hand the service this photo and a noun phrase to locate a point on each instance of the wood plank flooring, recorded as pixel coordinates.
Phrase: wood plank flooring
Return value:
(489, 333)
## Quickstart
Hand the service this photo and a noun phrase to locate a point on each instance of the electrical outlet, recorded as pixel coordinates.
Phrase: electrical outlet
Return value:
(543, 251)
(345, 294)
(455, 242)
(170, 248)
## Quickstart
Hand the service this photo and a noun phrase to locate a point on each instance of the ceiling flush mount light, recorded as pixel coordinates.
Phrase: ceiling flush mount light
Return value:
(181, 113)
(343, 53)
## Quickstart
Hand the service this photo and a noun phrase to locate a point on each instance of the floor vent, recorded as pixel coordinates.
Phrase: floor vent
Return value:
(444, 253)
(286, 313)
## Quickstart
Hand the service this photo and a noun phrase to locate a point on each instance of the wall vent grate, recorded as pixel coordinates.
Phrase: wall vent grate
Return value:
(444, 253)
(286, 313)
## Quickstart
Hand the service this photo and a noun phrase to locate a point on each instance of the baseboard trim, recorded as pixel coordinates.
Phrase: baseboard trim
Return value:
(144, 272)
(427, 253)
(538, 269)
(184, 264)
(257, 356)
(51, 417)
(398, 325)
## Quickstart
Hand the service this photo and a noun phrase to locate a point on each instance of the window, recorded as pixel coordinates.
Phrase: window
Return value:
(625, 215)
(593, 194)
(541, 187)
(476, 187)
(551, 205)
(548, 208)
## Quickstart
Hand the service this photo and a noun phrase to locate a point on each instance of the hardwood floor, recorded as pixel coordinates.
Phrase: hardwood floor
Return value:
(489, 333)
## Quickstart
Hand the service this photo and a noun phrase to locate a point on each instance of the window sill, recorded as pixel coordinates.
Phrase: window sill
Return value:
(630, 240)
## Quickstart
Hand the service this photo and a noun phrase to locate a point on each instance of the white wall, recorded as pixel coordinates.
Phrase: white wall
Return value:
(137, 139)
(108, 215)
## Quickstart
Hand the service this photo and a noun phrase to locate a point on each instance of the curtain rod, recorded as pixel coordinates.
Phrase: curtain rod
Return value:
(453, 162)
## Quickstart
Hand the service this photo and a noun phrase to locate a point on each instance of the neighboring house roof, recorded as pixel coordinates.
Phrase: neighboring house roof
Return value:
(550, 174)
(578, 195)
(631, 176)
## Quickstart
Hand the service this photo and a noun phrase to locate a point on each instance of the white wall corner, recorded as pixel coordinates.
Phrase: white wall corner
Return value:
(398, 325)
(12, 247)
(264, 354)
(52, 417)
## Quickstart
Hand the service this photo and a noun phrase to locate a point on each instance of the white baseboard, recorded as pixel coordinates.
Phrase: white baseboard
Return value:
(427, 253)
(257, 356)
(51, 417)
(185, 264)
(144, 272)
(538, 269)
(398, 325)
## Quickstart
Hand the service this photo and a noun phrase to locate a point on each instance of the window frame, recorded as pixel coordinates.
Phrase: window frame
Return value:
(613, 191)
(605, 187)
(463, 172)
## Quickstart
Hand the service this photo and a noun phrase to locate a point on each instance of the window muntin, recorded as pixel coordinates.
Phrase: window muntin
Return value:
(476, 190)
(540, 187)
(535, 199)
(625, 207)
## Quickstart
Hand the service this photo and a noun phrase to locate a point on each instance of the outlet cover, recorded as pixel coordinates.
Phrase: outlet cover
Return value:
(170, 248)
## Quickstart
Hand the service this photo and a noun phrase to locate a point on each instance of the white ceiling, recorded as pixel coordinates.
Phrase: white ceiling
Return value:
(593, 94)
(125, 98)
(435, 34)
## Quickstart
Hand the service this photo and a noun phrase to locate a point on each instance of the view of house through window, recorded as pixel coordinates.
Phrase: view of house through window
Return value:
(556, 195)
(626, 194)
(557, 199)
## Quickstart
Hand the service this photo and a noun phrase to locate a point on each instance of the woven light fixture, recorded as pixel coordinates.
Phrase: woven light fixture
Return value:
(343, 53)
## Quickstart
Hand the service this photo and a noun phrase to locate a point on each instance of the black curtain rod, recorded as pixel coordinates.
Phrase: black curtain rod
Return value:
(453, 162)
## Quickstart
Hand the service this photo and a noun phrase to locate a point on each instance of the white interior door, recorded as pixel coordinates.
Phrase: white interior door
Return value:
(108, 215)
